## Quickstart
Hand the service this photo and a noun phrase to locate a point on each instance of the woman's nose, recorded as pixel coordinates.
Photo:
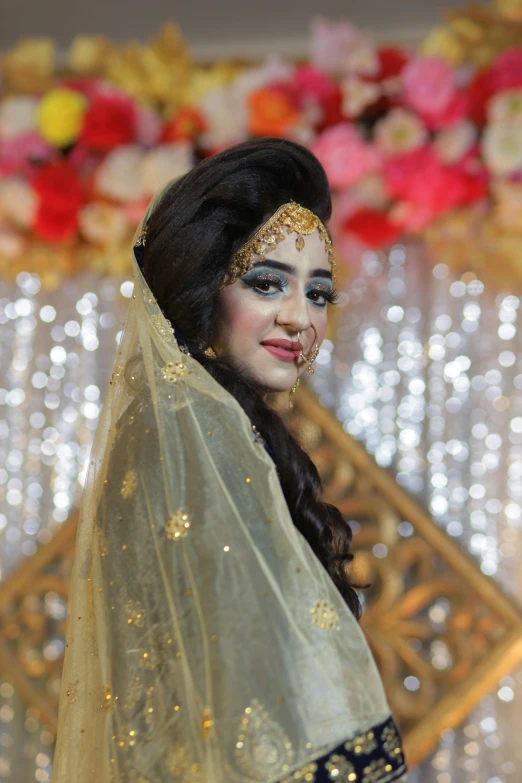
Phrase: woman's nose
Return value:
(295, 313)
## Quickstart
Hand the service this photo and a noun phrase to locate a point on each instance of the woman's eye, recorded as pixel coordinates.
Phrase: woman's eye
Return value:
(264, 285)
(318, 297)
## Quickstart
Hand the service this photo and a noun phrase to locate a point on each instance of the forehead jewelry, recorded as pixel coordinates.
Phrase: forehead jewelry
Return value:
(289, 218)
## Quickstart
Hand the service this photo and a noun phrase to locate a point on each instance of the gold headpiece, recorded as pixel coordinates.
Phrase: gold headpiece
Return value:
(289, 218)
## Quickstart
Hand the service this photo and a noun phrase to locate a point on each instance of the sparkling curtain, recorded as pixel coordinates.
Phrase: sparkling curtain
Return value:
(425, 371)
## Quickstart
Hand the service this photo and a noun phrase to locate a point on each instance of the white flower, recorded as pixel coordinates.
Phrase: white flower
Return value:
(226, 108)
(17, 202)
(399, 131)
(357, 95)
(502, 148)
(103, 224)
(17, 116)
(165, 163)
(506, 106)
(452, 144)
(225, 117)
(119, 176)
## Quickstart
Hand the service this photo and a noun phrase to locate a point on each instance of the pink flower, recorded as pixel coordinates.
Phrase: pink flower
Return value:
(429, 85)
(17, 155)
(426, 188)
(338, 47)
(345, 155)
(148, 127)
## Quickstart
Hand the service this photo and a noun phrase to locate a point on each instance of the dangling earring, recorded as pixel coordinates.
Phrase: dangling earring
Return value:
(292, 391)
(294, 387)
(311, 357)
(209, 352)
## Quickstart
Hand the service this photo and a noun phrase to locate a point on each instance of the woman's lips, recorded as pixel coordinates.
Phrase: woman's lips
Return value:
(282, 353)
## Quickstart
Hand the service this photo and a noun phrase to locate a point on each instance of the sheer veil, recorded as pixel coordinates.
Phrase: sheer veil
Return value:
(205, 641)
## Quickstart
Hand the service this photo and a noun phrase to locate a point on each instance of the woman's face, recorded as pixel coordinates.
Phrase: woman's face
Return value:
(277, 300)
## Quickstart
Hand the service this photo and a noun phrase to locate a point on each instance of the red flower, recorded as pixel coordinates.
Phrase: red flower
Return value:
(371, 227)
(478, 94)
(506, 71)
(109, 122)
(313, 84)
(186, 124)
(60, 197)
(391, 62)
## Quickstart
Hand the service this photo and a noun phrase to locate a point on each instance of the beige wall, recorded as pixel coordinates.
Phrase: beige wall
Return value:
(212, 27)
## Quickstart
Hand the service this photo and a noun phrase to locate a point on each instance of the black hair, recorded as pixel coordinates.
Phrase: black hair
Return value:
(200, 222)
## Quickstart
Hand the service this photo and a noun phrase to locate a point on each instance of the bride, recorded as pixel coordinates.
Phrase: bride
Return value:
(212, 633)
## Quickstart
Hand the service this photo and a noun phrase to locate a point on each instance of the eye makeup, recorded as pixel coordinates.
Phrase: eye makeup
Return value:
(260, 279)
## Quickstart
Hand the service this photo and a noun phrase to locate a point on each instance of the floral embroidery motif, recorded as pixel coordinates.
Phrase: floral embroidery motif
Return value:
(117, 373)
(391, 742)
(129, 484)
(262, 748)
(149, 707)
(339, 768)
(135, 613)
(306, 773)
(175, 370)
(149, 659)
(324, 615)
(375, 771)
(133, 694)
(362, 744)
(161, 324)
(177, 525)
(181, 764)
(361, 759)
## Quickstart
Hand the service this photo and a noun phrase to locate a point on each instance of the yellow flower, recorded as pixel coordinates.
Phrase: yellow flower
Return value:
(60, 116)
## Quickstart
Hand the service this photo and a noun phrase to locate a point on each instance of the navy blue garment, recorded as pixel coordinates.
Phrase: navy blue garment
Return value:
(375, 756)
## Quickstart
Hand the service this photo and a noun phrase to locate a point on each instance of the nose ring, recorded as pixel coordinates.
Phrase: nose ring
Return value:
(312, 356)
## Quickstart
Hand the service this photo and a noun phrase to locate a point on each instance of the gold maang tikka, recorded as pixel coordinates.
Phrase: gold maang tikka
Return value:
(289, 218)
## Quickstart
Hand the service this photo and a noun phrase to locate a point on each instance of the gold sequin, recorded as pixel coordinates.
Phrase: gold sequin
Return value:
(206, 723)
(173, 371)
(72, 692)
(339, 768)
(135, 613)
(177, 525)
(129, 484)
(262, 747)
(362, 744)
(324, 615)
(107, 697)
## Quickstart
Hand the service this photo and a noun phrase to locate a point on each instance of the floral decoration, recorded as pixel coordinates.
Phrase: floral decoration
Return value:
(412, 142)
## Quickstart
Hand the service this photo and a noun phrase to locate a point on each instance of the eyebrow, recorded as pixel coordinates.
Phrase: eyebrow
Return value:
(290, 271)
